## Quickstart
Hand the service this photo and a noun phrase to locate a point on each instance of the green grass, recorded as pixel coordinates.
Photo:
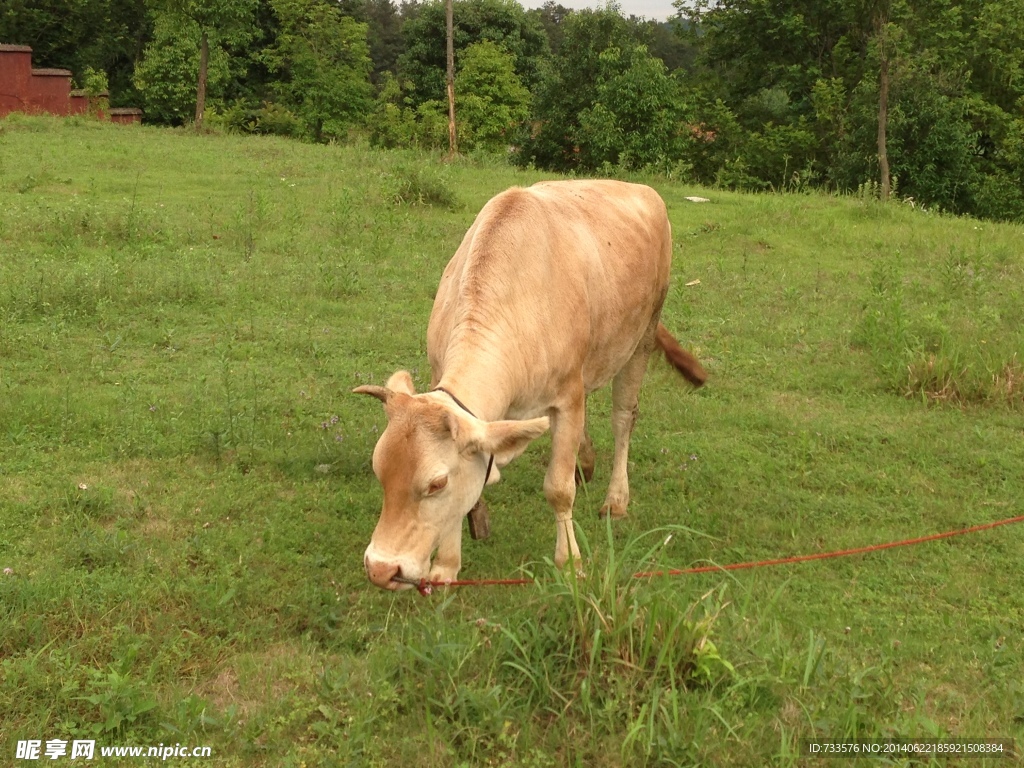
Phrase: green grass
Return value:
(185, 484)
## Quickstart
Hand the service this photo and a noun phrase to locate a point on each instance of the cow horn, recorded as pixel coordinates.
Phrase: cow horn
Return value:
(381, 393)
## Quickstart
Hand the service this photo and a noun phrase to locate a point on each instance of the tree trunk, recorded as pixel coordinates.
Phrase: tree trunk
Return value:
(204, 61)
(883, 114)
(450, 79)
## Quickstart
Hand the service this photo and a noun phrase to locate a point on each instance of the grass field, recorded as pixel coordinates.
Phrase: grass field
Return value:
(185, 484)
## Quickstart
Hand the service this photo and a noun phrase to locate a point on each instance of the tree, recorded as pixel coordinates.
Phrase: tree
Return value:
(551, 15)
(753, 45)
(492, 102)
(925, 87)
(322, 63)
(220, 22)
(449, 74)
(384, 23)
(167, 74)
(996, 53)
(636, 117)
(395, 123)
(883, 101)
(504, 22)
(667, 41)
(569, 86)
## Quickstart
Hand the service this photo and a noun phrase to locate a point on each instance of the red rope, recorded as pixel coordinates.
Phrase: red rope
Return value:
(425, 587)
(826, 555)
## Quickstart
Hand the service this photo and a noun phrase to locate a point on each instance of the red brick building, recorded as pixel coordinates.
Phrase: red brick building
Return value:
(45, 91)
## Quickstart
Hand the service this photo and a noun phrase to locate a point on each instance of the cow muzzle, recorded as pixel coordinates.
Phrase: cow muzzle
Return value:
(390, 573)
(382, 574)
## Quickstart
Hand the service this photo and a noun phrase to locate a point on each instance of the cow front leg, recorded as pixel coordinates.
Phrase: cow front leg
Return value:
(559, 482)
(448, 560)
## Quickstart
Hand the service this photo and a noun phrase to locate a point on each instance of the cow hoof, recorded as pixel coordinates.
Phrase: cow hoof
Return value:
(614, 511)
(574, 567)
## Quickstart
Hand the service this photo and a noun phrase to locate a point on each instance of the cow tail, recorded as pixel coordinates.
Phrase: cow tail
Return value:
(681, 359)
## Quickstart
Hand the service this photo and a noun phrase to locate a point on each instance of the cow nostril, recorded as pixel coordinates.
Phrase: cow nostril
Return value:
(382, 573)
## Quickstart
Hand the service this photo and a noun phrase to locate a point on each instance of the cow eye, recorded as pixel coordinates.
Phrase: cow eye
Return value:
(437, 484)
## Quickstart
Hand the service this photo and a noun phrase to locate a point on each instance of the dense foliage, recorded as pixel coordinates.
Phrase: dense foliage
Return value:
(749, 94)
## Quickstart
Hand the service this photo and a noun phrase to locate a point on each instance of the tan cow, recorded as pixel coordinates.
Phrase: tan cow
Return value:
(555, 290)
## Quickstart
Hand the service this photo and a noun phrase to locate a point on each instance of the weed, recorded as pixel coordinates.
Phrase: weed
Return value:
(962, 274)
(89, 501)
(1008, 382)
(120, 702)
(250, 221)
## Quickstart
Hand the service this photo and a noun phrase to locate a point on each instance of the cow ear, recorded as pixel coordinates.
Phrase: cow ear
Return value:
(401, 381)
(508, 439)
(381, 393)
(460, 435)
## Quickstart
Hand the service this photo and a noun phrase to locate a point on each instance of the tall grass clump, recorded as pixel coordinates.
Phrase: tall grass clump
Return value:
(952, 337)
(420, 184)
(607, 653)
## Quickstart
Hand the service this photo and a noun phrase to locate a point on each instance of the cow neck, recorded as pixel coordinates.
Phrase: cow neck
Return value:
(477, 368)
(482, 402)
(458, 402)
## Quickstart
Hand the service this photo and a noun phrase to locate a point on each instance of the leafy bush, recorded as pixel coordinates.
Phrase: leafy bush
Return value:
(635, 120)
(270, 118)
(1000, 196)
(95, 83)
(568, 87)
(393, 123)
(777, 156)
(932, 145)
(279, 120)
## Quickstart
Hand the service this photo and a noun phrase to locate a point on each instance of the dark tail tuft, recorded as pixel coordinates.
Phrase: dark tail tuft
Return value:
(682, 360)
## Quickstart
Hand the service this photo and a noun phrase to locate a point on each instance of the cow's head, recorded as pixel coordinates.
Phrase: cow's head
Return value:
(431, 460)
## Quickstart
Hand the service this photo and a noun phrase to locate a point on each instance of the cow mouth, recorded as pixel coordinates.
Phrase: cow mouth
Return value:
(402, 580)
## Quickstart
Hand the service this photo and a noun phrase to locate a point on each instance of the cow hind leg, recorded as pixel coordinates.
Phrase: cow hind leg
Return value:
(625, 396)
(586, 459)
(567, 428)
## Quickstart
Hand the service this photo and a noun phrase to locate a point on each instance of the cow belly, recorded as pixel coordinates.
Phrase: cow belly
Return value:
(617, 330)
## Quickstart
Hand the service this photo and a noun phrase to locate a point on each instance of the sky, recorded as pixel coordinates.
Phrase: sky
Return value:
(659, 10)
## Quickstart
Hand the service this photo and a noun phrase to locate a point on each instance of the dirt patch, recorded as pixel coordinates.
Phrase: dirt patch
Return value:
(250, 681)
